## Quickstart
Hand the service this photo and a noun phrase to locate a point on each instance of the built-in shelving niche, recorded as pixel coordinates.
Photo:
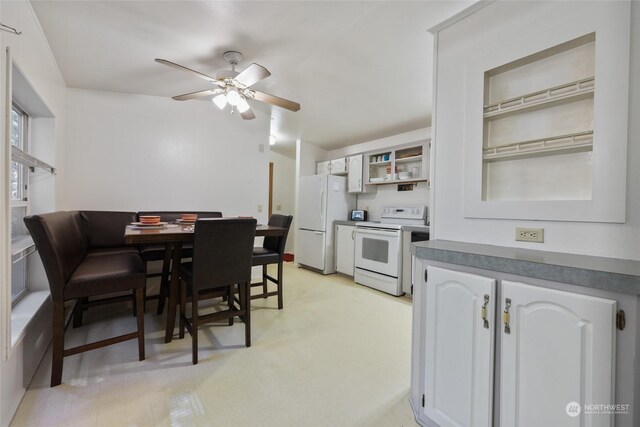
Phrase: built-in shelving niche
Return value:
(538, 125)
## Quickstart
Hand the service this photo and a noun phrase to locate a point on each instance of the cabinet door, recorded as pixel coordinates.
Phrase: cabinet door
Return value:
(355, 174)
(559, 349)
(338, 166)
(323, 167)
(458, 348)
(311, 248)
(345, 249)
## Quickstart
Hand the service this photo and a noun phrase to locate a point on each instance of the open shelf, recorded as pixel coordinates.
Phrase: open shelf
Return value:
(580, 141)
(382, 163)
(578, 88)
(399, 181)
(409, 159)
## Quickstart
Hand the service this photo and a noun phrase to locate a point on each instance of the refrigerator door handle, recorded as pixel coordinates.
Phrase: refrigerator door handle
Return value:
(322, 205)
(317, 232)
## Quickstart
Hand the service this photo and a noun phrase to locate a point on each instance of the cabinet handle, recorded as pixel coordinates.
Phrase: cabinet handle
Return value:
(353, 235)
(483, 312)
(505, 315)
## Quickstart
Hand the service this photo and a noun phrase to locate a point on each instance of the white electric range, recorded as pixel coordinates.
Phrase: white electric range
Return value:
(378, 257)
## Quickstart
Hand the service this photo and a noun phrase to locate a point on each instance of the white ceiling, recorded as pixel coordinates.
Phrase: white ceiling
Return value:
(361, 70)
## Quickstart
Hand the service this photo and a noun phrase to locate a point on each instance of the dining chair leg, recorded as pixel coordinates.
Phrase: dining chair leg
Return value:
(140, 318)
(280, 303)
(164, 279)
(247, 315)
(57, 343)
(78, 310)
(174, 290)
(264, 281)
(230, 303)
(183, 308)
(194, 327)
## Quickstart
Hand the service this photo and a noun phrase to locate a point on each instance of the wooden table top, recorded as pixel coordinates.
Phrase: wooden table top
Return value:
(183, 233)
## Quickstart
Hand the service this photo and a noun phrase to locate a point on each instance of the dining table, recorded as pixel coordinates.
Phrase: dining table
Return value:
(174, 236)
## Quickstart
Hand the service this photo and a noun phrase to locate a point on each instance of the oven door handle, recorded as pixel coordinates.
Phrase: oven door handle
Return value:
(388, 233)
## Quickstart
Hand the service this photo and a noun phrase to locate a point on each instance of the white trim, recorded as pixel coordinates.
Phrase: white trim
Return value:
(434, 141)
(23, 312)
(460, 16)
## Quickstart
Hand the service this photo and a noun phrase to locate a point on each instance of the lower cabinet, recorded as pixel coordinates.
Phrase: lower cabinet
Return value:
(553, 351)
(459, 348)
(345, 249)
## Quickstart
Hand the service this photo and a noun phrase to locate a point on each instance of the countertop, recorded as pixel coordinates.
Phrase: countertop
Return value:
(611, 274)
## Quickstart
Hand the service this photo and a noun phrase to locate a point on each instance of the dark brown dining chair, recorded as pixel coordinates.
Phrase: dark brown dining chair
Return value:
(272, 252)
(154, 252)
(222, 252)
(73, 274)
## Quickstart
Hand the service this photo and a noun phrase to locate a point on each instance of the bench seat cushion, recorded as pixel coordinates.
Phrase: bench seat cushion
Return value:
(104, 274)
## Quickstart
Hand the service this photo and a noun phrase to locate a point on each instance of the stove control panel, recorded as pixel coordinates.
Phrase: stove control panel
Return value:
(406, 212)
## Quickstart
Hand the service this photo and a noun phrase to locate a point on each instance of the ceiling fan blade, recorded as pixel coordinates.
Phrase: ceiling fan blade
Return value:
(275, 100)
(252, 75)
(189, 70)
(248, 115)
(195, 95)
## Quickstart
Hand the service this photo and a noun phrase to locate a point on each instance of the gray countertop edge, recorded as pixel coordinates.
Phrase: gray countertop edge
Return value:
(344, 222)
(480, 256)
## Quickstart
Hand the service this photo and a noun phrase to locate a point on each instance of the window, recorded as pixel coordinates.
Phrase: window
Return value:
(19, 204)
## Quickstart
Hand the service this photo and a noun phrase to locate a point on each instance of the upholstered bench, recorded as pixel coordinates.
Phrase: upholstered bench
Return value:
(84, 256)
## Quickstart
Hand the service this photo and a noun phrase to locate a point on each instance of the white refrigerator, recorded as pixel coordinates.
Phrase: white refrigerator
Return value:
(322, 199)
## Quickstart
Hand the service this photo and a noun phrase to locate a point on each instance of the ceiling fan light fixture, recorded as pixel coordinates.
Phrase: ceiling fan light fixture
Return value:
(242, 104)
(220, 101)
(233, 97)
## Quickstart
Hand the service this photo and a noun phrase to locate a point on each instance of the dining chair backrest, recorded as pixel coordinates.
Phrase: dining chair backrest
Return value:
(61, 245)
(277, 243)
(222, 251)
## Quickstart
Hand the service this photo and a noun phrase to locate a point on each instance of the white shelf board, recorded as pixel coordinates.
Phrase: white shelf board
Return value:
(578, 88)
(580, 141)
(410, 159)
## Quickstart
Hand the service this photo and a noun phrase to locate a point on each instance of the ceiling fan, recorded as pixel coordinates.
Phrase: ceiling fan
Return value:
(234, 88)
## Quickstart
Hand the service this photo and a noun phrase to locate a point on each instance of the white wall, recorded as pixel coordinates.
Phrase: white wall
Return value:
(135, 152)
(284, 191)
(458, 44)
(31, 54)
(388, 195)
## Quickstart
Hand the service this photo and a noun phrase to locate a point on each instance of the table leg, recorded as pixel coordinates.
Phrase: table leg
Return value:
(164, 280)
(174, 287)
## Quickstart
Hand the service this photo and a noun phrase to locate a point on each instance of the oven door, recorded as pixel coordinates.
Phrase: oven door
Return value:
(378, 250)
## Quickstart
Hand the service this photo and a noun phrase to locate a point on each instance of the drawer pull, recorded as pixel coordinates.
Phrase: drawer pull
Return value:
(483, 312)
(505, 315)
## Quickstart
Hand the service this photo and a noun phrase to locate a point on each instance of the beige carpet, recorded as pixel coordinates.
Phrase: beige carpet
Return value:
(338, 354)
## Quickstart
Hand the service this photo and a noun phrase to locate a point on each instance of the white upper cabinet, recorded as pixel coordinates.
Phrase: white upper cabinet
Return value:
(333, 167)
(406, 163)
(458, 347)
(323, 167)
(339, 166)
(354, 180)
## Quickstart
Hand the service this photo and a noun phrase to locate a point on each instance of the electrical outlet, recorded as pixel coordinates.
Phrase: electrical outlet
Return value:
(530, 235)
(278, 207)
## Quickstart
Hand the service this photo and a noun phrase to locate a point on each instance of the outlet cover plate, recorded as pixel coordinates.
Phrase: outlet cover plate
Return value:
(535, 235)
